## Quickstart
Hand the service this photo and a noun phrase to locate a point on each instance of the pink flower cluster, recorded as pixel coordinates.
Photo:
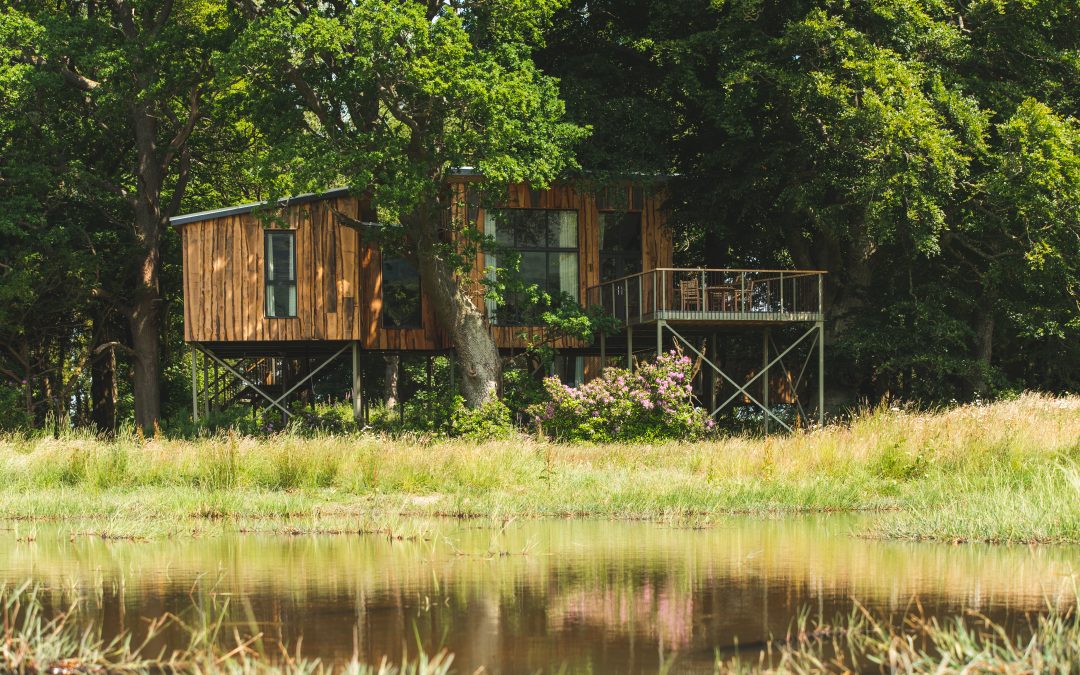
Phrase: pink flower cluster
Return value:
(655, 402)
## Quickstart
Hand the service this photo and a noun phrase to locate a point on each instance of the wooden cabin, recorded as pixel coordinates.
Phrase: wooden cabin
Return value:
(289, 281)
(260, 280)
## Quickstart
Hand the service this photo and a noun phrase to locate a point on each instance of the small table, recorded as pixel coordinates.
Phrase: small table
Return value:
(721, 298)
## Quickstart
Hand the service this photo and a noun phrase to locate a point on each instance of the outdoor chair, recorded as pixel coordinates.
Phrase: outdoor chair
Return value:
(690, 295)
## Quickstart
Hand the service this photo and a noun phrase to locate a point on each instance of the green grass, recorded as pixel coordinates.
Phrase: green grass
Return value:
(1006, 472)
(34, 639)
(916, 644)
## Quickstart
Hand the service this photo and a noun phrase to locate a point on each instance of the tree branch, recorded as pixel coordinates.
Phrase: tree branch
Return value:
(185, 130)
(80, 82)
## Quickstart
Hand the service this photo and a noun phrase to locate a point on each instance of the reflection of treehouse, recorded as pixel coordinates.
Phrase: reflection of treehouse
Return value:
(693, 305)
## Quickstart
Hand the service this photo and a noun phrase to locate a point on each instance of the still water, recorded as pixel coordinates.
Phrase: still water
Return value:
(595, 596)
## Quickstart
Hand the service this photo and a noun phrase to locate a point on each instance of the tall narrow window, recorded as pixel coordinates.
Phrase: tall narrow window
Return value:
(400, 294)
(280, 273)
(547, 242)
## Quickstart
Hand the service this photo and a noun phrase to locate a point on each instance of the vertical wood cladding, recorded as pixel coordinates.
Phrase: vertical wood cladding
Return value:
(339, 277)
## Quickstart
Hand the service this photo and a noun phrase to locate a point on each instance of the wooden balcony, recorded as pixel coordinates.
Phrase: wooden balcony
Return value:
(712, 296)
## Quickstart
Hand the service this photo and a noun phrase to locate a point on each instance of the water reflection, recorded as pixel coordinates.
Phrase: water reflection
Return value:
(599, 596)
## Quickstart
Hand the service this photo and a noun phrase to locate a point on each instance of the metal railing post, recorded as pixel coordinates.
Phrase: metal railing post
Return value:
(701, 307)
(639, 305)
(781, 292)
(654, 296)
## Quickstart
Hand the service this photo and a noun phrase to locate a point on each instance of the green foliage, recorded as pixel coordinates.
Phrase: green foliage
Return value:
(653, 403)
(442, 414)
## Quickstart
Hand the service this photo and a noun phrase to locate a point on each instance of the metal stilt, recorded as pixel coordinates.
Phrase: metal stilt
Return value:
(357, 388)
(821, 373)
(194, 388)
(765, 372)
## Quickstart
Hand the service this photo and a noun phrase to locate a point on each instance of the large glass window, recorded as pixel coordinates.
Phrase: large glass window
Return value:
(547, 243)
(620, 245)
(280, 273)
(400, 294)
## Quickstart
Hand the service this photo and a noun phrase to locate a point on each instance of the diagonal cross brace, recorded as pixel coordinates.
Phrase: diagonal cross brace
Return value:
(787, 373)
(740, 388)
(304, 379)
(243, 379)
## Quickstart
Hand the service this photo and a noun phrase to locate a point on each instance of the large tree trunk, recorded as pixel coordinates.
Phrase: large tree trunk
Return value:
(459, 316)
(390, 391)
(144, 316)
(103, 391)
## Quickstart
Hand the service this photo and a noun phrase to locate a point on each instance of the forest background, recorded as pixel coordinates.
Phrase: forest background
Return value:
(926, 153)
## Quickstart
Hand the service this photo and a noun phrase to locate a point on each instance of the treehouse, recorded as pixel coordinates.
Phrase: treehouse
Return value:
(266, 285)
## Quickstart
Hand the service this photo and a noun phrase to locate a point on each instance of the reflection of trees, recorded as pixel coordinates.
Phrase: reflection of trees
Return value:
(583, 589)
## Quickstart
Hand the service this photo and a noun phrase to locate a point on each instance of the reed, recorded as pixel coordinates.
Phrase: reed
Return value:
(1004, 472)
(33, 640)
(915, 644)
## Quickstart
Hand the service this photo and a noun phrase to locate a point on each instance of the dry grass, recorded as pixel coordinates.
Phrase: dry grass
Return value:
(944, 474)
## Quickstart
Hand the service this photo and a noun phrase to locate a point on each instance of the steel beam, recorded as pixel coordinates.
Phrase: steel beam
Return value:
(304, 379)
(740, 388)
(357, 385)
(239, 376)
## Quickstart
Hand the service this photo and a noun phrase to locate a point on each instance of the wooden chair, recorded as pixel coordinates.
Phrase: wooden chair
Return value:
(690, 295)
(720, 298)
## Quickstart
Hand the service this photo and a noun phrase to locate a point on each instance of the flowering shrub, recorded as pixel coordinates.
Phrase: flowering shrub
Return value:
(653, 403)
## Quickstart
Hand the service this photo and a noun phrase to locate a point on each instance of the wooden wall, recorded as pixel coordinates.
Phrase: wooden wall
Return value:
(339, 277)
(224, 291)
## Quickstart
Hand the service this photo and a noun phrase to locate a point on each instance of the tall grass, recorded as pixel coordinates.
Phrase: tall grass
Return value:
(1004, 472)
(864, 643)
(32, 641)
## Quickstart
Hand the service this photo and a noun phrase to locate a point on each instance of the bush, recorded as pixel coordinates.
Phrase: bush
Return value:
(655, 403)
(445, 415)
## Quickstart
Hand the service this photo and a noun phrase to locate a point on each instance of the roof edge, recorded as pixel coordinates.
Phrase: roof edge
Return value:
(248, 208)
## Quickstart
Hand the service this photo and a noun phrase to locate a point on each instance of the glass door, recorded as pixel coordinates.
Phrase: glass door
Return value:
(620, 256)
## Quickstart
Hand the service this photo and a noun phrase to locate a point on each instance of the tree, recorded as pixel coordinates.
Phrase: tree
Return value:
(143, 70)
(878, 140)
(390, 98)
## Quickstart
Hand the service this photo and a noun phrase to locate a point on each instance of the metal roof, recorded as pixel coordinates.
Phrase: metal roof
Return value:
(287, 201)
(248, 208)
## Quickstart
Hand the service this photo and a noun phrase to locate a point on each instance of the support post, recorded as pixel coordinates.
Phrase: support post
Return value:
(206, 387)
(659, 338)
(194, 388)
(629, 348)
(714, 349)
(357, 388)
(821, 373)
(765, 373)
(603, 351)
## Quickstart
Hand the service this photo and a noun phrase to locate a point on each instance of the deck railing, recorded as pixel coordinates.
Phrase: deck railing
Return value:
(674, 294)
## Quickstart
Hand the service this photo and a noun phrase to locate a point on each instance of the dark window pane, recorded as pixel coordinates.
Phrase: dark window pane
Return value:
(620, 232)
(533, 268)
(401, 294)
(530, 229)
(280, 274)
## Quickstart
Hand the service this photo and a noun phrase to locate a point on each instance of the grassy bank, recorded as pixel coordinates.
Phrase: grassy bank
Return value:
(1006, 472)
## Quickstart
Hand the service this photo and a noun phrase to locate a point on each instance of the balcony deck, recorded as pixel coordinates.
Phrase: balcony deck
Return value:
(703, 297)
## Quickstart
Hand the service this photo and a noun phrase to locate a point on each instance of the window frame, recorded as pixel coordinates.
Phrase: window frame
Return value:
(382, 296)
(268, 236)
(547, 250)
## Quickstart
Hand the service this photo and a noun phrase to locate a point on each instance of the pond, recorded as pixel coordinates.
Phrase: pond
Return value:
(535, 595)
